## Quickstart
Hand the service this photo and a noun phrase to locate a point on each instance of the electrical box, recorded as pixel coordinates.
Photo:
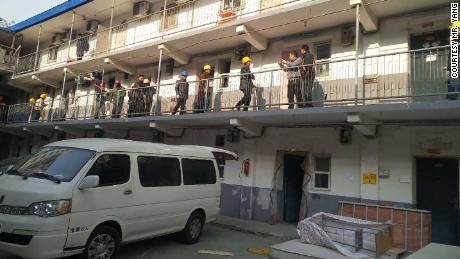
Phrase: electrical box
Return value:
(141, 9)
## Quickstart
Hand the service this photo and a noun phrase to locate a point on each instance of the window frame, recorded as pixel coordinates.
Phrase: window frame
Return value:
(181, 175)
(326, 72)
(98, 155)
(315, 172)
(214, 163)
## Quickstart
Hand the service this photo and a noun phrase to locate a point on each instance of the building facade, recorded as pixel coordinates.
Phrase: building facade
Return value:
(382, 127)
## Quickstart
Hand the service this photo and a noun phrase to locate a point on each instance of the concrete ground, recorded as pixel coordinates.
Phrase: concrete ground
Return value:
(215, 237)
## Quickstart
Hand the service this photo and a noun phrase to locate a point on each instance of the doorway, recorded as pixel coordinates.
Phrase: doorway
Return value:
(293, 176)
(438, 191)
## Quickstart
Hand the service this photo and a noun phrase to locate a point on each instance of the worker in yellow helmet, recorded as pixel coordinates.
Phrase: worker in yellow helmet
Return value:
(204, 90)
(246, 84)
(32, 100)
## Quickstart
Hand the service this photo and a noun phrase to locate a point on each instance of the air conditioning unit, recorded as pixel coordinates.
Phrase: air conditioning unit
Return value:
(57, 39)
(66, 35)
(141, 9)
(347, 36)
(92, 25)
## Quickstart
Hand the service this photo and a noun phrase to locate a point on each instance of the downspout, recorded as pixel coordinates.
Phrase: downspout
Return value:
(158, 84)
(356, 54)
(70, 40)
(109, 40)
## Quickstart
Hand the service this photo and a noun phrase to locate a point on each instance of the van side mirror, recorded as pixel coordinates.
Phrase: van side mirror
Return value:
(90, 181)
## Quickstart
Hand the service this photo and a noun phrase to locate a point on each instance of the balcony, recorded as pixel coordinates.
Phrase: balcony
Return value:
(7, 59)
(190, 17)
(403, 79)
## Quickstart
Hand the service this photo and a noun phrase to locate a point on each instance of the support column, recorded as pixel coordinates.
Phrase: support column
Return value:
(62, 93)
(70, 36)
(164, 19)
(356, 3)
(157, 105)
(38, 47)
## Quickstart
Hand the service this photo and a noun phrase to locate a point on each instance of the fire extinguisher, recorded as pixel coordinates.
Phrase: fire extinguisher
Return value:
(246, 167)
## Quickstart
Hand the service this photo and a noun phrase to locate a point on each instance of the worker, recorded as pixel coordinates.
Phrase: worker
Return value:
(136, 99)
(34, 110)
(204, 90)
(293, 74)
(117, 97)
(246, 84)
(182, 87)
(147, 94)
(307, 74)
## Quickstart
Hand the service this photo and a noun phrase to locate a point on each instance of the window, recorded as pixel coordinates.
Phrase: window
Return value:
(198, 172)
(226, 5)
(322, 172)
(61, 162)
(112, 169)
(172, 16)
(224, 71)
(323, 55)
(159, 171)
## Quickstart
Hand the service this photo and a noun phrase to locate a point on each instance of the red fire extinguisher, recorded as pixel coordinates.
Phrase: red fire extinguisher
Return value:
(246, 167)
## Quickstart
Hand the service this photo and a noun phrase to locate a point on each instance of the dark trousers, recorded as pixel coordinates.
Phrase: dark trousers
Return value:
(35, 115)
(245, 100)
(307, 81)
(117, 108)
(200, 102)
(295, 90)
(100, 106)
(180, 104)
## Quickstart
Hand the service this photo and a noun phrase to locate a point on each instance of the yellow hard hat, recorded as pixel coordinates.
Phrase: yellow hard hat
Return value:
(246, 60)
(31, 100)
(43, 96)
(146, 81)
(207, 66)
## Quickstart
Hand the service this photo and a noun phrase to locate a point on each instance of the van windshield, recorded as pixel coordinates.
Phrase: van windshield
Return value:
(61, 163)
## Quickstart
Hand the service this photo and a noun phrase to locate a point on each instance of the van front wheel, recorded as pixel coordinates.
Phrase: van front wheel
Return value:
(104, 242)
(192, 231)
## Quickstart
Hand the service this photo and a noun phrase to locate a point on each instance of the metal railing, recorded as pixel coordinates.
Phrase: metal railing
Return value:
(185, 17)
(403, 77)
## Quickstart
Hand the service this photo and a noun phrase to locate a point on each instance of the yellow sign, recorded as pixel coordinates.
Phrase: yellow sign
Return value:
(369, 178)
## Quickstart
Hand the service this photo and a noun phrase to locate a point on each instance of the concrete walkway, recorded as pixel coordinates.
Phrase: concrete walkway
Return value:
(282, 231)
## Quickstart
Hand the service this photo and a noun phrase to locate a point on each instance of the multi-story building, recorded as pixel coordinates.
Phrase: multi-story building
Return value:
(383, 126)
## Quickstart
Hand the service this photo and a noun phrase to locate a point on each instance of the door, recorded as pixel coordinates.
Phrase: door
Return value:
(428, 75)
(438, 192)
(292, 183)
(111, 200)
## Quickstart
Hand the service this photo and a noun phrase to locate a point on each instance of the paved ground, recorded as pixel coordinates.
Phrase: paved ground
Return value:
(214, 238)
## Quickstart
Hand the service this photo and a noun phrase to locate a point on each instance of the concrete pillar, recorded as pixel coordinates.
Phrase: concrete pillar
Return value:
(370, 166)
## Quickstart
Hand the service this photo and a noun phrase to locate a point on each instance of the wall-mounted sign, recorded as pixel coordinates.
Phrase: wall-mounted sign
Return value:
(370, 80)
(369, 178)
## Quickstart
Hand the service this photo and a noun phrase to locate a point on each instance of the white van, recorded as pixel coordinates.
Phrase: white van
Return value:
(90, 195)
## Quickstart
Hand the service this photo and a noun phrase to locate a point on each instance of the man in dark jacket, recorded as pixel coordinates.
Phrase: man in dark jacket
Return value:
(293, 74)
(136, 98)
(181, 93)
(117, 96)
(246, 84)
(308, 74)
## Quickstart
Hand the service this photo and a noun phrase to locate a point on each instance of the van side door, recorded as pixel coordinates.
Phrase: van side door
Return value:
(111, 200)
(202, 185)
(159, 197)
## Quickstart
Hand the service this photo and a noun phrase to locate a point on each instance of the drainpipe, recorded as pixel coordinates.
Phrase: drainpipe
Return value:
(70, 41)
(109, 40)
(158, 83)
(38, 47)
(62, 91)
(356, 54)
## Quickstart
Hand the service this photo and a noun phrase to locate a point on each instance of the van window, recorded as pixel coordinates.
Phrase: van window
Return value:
(112, 169)
(158, 171)
(198, 171)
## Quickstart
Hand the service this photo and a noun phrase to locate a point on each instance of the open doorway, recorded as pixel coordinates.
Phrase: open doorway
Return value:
(438, 191)
(293, 179)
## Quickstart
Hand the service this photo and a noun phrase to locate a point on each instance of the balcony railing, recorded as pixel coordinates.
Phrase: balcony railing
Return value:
(403, 77)
(186, 17)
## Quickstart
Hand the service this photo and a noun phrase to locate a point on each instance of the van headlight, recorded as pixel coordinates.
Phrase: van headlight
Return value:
(49, 208)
